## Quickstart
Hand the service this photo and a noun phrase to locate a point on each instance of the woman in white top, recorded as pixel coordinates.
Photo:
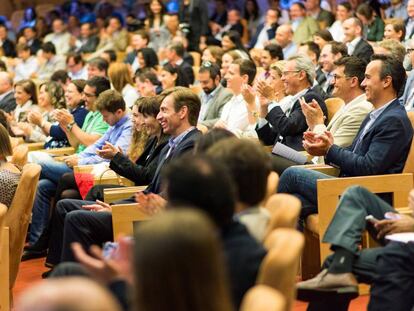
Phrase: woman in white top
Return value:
(26, 99)
(343, 12)
(121, 79)
(51, 97)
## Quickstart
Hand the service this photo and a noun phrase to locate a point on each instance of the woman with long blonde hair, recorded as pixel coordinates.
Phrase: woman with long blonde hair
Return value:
(120, 76)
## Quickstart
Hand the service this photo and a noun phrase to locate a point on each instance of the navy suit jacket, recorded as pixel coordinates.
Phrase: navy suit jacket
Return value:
(270, 34)
(292, 127)
(363, 50)
(187, 144)
(8, 103)
(382, 150)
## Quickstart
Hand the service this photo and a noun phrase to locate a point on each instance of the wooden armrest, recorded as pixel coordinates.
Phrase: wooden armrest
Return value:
(65, 151)
(108, 178)
(322, 168)
(329, 191)
(82, 168)
(115, 194)
(35, 146)
(123, 217)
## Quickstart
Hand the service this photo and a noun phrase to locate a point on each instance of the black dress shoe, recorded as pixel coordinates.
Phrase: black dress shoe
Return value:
(46, 274)
(32, 254)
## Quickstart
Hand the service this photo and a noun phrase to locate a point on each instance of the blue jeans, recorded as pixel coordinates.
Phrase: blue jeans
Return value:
(40, 214)
(301, 183)
(53, 170)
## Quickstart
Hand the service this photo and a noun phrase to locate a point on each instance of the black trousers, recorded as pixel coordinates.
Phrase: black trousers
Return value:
(393, 286)
(70, 223)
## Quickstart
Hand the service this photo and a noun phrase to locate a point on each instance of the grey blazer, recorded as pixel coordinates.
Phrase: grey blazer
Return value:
(213, 113)
(8, 103)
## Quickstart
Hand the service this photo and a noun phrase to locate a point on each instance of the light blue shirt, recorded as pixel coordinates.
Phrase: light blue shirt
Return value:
(119, 135)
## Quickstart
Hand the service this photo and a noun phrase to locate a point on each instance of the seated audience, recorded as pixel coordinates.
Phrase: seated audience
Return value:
(284, 38)
(391, 47)
(357, 46)
(25, 94)
(139, 40)
(382, 267)
(7, 46)
(87, 41)
(97, 67)
(212, 54)
(232, 42)
(303, 26)
(213, 97)
(322, 37)
(324, 18)
(9, 173)
(59, 36)
(7, 100)
(175, 53)
(26, 64)
(76, 66)
(146, 59)
(50, 62)
(75, 294)
(142, 170)
(373, 24)
(394, 29)
(171, 76)
(380, 147)
(235, 114)
(343, 12)
(177, 102)
(266, 31)
(248, 164)
(147, 83)
(269, 55)
(228, 58)
(120, 76)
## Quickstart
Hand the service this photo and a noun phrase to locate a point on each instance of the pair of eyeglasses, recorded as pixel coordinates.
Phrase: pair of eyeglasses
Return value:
(410, 50)
(207, 64)
(285, 73)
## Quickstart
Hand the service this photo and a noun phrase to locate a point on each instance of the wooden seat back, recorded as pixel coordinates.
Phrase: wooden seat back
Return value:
(284, 210)
(124, 216)
(263, 298)
(333, 105)
(280, 266)
(19, 214)
(19, 156)
(4, 261)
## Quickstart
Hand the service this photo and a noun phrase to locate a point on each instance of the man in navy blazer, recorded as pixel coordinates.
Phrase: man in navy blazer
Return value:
(380, 147)
(7, 100)
(178, 117)
(265, 31)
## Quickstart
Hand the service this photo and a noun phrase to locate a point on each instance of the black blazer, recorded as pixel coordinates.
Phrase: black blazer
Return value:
(292, 127)
(35, 46)
(382, 150)
(90, 45)
(9, 49)
(8, 103)
(270, 34)
(243, 255)
(363, 50)
(142, 171)
(187, 144)
(187, 71)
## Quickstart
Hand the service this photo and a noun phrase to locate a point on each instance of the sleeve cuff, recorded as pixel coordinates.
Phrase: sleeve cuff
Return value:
(319, 129)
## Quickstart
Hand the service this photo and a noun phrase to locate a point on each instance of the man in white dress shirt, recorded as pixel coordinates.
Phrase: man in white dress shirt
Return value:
(59, 37)
(235, 115)
(26, 65)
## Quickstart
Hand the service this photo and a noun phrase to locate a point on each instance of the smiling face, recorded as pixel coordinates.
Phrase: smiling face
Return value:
(372, 82)
(43, 98)
(290, 78)
(390, 33)
(152, 125)
(341, 13)
(327, 58)
(112, 118)
(350, 30)
(137, 119)
(20, 95)
(89, 96)
(167, 79)
(275, 81)
(234, 79)
(226, 61)
(72, 96)
(341, 83)
(227, 44)
(169, 119)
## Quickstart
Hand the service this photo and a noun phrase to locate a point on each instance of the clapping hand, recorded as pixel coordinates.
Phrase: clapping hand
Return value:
(313, 113)
(317, 144)
(151, 203)
(108, 151)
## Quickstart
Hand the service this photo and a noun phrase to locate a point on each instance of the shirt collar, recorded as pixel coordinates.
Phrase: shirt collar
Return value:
(208, 96)
(299, 95)
(355, 41)
(174, 141)
(121, 121)
(376, 112)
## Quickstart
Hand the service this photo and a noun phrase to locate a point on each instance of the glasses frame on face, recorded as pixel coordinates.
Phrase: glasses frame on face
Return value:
(286, 72)
(335, 77)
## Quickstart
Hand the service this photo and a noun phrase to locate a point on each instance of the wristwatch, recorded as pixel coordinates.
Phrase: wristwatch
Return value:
(255, 114)
(70, 126)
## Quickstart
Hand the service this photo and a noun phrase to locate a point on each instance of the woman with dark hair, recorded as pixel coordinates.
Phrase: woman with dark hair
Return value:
(232, 41)
(25, 94)
(252, 16)
(343, 12)
(373, 24)
(147, 58)
(322, 37)
(155, 15)
(171, 76)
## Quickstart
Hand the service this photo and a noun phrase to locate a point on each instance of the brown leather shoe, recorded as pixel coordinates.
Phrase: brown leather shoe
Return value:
(325, 280)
